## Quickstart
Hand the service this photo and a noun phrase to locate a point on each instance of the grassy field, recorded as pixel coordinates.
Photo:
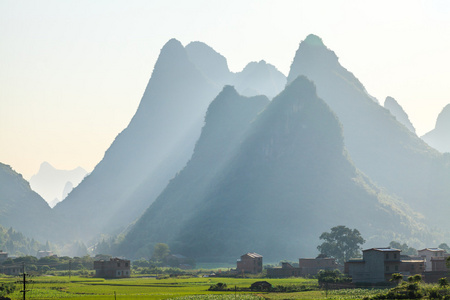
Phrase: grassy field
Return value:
(60, 287)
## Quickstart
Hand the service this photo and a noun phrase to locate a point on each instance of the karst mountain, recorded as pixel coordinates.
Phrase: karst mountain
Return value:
(269, 182)
(439, 137)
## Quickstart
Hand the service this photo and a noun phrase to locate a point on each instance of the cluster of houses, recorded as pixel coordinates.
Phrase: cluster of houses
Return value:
(376, 265)
(252, 263)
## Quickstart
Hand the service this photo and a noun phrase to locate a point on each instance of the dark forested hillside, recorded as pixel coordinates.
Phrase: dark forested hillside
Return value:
(288, 179)
(15, 243)
(22, 208)
(381, 147)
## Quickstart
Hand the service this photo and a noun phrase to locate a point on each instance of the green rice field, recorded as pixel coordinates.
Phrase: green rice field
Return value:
(61, 287)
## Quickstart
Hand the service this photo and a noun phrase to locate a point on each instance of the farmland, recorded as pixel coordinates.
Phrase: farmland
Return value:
(183, 288)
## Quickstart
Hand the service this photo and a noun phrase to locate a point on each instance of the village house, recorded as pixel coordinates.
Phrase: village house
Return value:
(435, 262)
(43, 253)
(378, 264)
(112, 268)
(250, 263)
(286, 270)
(3, 256)
(312, 266)
(11, 270)
(307, 267)
(429, 254)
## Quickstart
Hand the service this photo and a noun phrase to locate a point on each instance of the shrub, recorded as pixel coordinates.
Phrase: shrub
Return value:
(218, 287)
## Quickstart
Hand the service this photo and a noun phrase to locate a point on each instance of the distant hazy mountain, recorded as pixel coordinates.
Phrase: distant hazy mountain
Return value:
(271, 185)
(439, 137)
(50, 182)
(397, 111)
(257, 78)
(379, 145)
(22, 208)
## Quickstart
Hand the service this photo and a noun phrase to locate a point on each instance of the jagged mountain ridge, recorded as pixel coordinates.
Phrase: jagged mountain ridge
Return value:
(50, 182)
(397, 111)
(156, 144)
(439, 137)
(379, 145)
(289, 180)
(257, 78)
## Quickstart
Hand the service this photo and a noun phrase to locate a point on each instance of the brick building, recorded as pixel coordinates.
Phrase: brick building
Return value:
(250, 263)
(312, 266)
(112, 268)
(307, 267)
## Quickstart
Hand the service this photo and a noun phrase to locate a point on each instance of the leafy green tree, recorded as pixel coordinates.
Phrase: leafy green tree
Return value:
(445, 247)
(397, 278)
(342, 243)
(404, 247)
(160, 252)
(443, 282)
(6, 288)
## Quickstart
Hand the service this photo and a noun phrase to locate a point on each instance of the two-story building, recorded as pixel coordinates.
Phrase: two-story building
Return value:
(377, 265)
(430, 255)
(112, 268)
(250, 263)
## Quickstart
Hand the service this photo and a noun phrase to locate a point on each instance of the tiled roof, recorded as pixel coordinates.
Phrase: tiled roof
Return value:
(432, 249)
(383, 249)
(252, 255)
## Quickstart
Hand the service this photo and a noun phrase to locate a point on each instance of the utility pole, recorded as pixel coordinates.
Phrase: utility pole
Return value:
(24, 282)
(70, 268)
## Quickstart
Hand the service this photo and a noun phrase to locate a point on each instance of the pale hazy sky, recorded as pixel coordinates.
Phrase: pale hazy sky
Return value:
(72, 72)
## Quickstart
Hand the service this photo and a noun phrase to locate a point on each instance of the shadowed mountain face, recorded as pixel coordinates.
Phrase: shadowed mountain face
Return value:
(398, 112)
(439, 137)
(156, 144)
(22, 208)
(272, 185)
(379, 145)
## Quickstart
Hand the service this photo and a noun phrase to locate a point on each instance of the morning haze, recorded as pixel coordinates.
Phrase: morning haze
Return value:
(216, 161)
